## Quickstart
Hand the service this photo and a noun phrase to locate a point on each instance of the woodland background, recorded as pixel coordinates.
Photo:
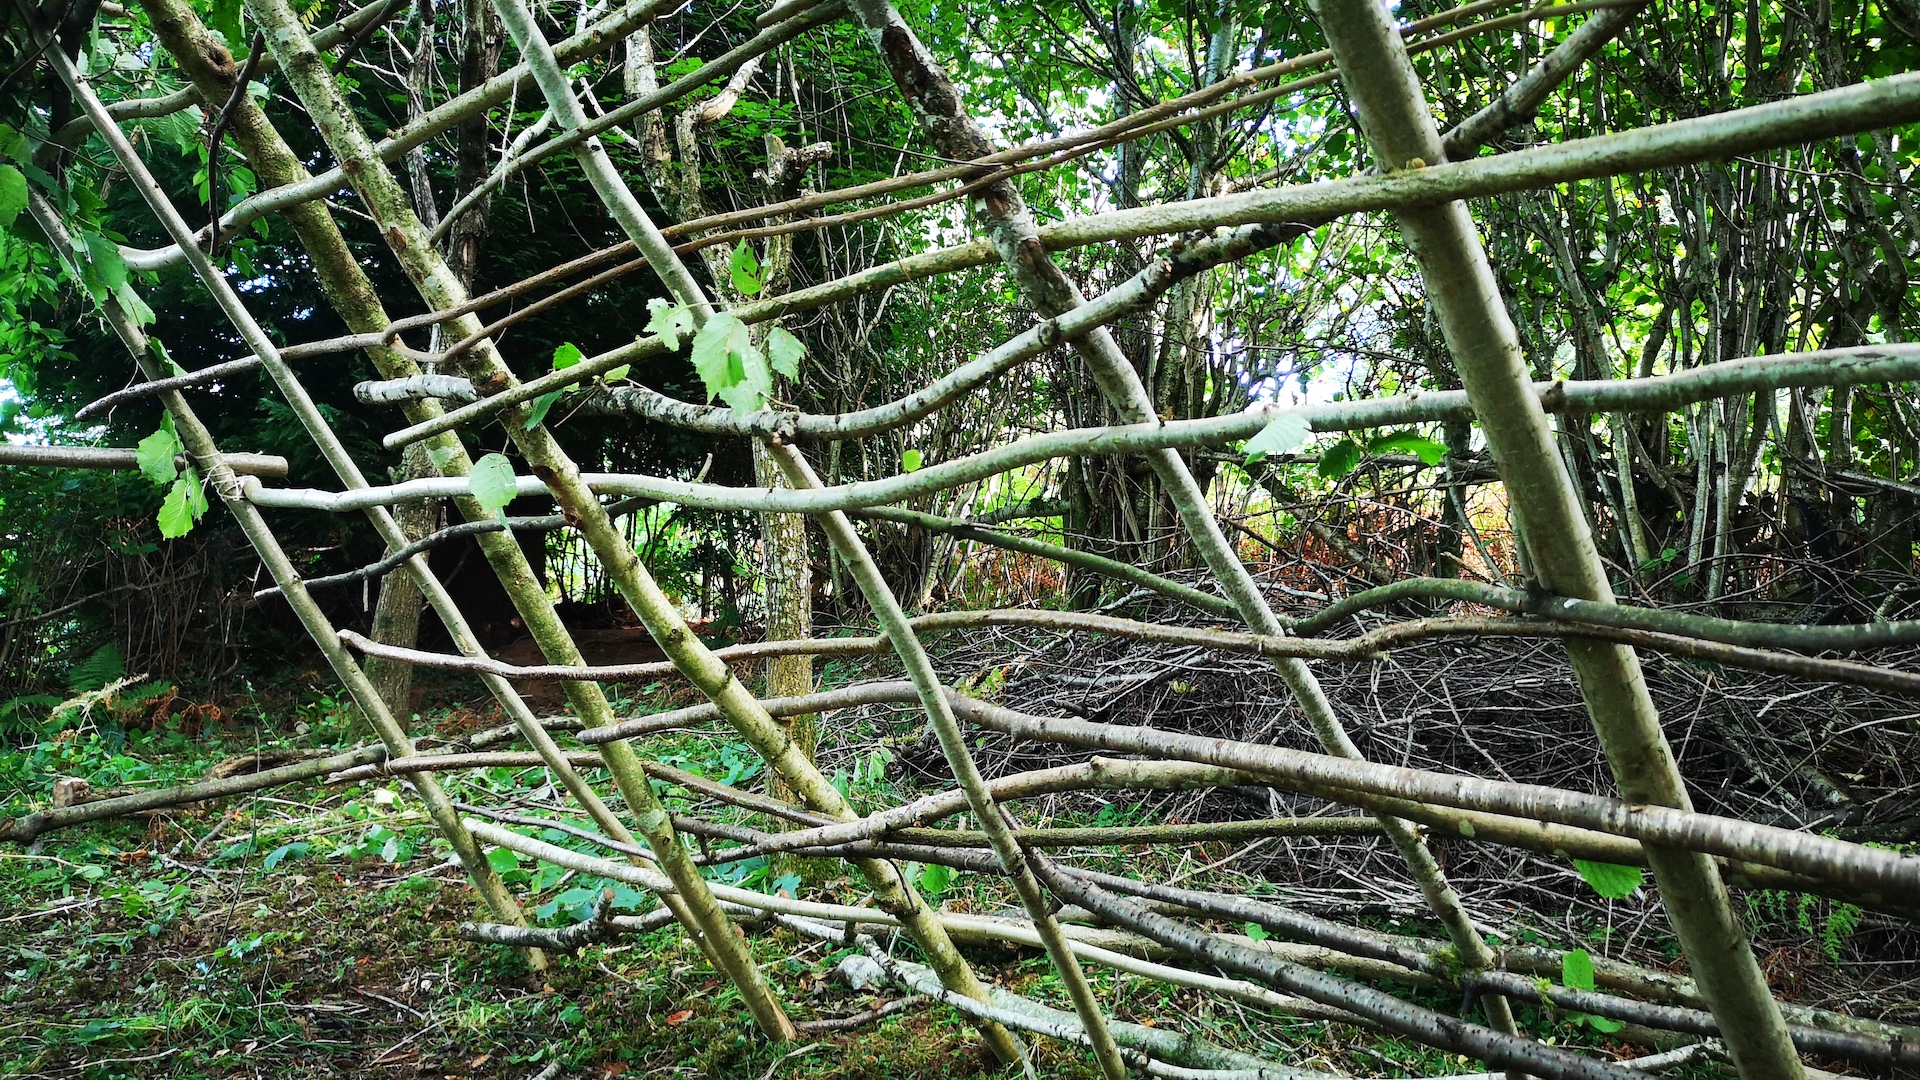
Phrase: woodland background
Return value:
(1796, 507)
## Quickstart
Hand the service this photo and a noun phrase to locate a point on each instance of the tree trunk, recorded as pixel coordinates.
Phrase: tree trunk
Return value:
(396, 618)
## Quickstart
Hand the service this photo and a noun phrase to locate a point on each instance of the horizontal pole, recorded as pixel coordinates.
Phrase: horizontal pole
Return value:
(125, 459)
(1693, 636)
(1866, 364)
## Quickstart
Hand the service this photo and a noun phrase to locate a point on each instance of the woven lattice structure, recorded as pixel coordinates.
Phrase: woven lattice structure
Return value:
(1423, 176)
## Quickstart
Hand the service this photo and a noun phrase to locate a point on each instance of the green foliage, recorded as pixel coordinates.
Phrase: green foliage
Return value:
(1339, 459)
(669, 320)
(745, 268)
(183, 507)
(493, 483)
(13, 195)
(910, 460)
(934, 880)
(1610, 880)
(1282, 433)
(785, 352)
(564, 357)
(731, 366)
(102, 667)
(155, 455)
(1429, 451)
(1576, 973)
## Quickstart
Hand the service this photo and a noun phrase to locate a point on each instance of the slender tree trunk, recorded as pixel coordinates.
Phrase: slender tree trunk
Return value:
(1460, 284)
(396, 618)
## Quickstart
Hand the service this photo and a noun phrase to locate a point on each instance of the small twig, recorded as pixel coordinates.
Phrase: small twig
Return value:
(255, 50)
(863, 1018)
(160, 386)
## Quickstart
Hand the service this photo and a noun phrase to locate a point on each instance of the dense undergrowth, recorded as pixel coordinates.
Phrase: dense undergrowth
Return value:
(311, 931)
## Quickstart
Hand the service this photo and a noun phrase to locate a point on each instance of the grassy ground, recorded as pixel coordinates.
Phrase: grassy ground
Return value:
(310, 931)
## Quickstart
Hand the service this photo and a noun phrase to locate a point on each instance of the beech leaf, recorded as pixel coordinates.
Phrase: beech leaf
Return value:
(1576, 970)
(670, 321)
(13, 195)
(746, 270)
(716, 351)
(1611, 880)
(176, 510)
(786, 352)
(1282, 433)
(493, 483)
(154, 455)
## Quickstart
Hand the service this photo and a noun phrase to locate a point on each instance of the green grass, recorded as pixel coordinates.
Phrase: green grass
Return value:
(309, 931)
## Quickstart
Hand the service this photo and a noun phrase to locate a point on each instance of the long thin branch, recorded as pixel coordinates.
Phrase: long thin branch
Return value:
(144, 390)
(1370, 646)
(125, 459)
(393, 561)
(1876, 363)
(1400, 1017)
(591, 42)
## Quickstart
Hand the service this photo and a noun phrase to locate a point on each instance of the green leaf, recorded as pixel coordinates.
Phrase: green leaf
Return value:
(442, 456)
(503, 860)
(136, 307)
(105, 271)
(159, 350)
(1282, 433)
(1429, 451)
(717, 352)
(785, 351)
(1257, 932)
(934, 879)
(155, 454)
(1611, 880)
(224, 16)
(13, 195)
(567, 355)
(538, 413)
(746, 270)
(493, 483)
(1339, 459)
(284, 851)
(13, 145)
(1606, 1025)
(176, 510)
(910, 460)
(617, 373)
(670, 321)
(1576, 970)
(196, 494)
(755, 383)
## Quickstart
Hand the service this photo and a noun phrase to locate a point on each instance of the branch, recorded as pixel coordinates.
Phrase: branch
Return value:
(548, 523)
(1521, 101)
(159, 386)
(1876, 873)
(1857, 637)
(415, 388)
(30, 827)
(599, 927)
(594, 40)
(1400, 1017)
(1875, 363)
(125, 459)
(1584, 621)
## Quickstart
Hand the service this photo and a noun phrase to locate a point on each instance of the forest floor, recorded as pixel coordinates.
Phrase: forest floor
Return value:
(312, 931)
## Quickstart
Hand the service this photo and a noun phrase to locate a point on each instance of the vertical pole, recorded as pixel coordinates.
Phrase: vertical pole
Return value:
(1460, 285)
(1010, 227)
